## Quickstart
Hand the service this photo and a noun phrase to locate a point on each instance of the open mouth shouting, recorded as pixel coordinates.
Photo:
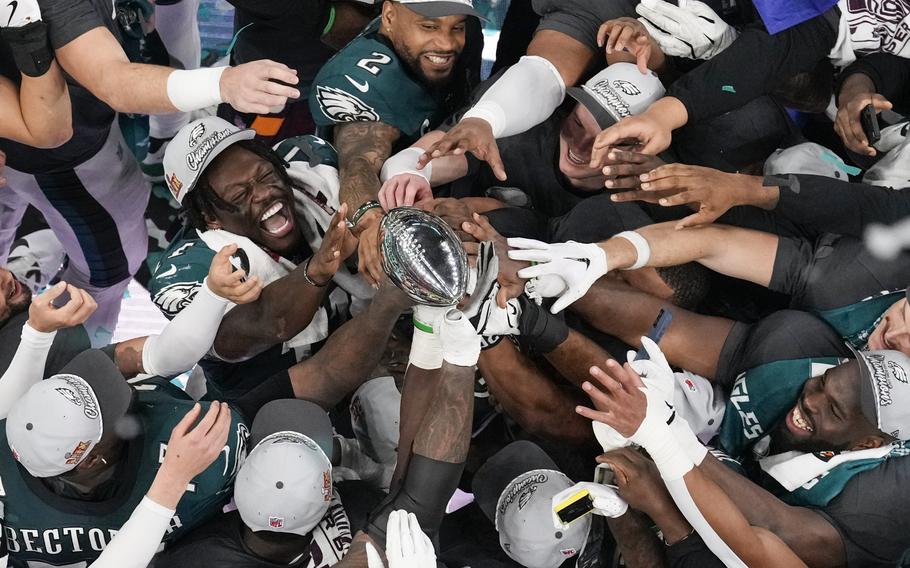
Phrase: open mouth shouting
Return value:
(277, 220)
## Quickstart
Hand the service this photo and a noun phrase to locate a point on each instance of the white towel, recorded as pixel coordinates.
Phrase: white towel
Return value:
(795, 469)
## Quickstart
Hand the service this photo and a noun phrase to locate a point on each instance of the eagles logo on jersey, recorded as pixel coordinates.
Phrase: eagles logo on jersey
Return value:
(341, 106)
(172, 299)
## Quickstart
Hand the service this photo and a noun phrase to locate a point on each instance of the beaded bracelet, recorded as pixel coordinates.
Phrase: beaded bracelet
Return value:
(361, 211)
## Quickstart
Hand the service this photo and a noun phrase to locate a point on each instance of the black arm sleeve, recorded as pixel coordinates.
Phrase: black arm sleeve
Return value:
(889, 73)
(753, 66)
(427, 487)
(821, 204)
(833, 271)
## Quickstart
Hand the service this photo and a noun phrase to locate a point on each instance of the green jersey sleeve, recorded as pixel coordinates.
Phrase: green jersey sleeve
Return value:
(178, 275)
(368, 82)
(310, 149)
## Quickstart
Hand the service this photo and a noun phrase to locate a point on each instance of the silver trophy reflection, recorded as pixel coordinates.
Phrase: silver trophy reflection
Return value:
(422, 255)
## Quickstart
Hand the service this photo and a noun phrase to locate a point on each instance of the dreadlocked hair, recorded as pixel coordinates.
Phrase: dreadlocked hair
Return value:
(203, 202)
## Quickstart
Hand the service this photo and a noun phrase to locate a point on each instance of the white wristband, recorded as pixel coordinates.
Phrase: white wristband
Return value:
(642, 248)
(687, 440)
(426, 349)
(460, 342)
(195, 89)
(668, 456)
(405, 162)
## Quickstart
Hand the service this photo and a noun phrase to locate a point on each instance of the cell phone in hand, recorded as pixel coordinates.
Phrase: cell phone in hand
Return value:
(658, 329)
(62, 300)
(575, 507)
(240, 260)
(869, 121)
(605, 475)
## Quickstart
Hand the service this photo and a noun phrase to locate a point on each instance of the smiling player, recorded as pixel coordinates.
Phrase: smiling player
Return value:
(400, 78)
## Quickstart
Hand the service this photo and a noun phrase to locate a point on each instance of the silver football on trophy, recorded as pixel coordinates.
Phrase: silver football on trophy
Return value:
(423, 256)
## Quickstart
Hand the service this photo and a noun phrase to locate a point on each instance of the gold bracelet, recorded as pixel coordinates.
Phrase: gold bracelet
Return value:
(306, 275)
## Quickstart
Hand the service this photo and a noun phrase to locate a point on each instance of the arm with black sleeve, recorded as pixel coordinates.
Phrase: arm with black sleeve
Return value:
(815, 204)
(441, 445)
(736, 75)
(889, 73)
(820, 204)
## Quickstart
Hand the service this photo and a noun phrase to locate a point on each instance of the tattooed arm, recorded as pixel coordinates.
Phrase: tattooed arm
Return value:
(333, 372)
(362, 149)
(433, 467)
(445, 432)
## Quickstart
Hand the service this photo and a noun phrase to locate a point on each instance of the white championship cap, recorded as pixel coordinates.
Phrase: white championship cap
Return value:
(58, 422)
(808, 158)
(375, 418)
(618, 91)
(285, 484)
(193, 149)
(515, 489)
(885, 390)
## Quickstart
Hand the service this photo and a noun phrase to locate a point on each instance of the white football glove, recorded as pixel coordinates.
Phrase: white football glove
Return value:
(578, 264)
(406, 545)
(19, 13)
(655, 371)
(607, 501)
(487, 317)
(692, 30)
(460, 341)
(658, 377)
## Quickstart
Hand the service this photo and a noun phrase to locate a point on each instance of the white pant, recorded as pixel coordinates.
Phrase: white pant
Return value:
(97, 210)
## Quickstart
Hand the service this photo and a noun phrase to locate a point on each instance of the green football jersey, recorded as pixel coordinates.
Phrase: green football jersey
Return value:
(180, 270)
(761, 397)
(368, 82)
(777, 385)
(41, 528)
(855, 322)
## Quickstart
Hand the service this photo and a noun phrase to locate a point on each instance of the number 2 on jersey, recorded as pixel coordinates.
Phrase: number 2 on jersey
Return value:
(370, 64)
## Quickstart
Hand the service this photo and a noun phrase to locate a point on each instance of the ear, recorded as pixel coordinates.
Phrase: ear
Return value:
(869, 442)
(388, 17)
